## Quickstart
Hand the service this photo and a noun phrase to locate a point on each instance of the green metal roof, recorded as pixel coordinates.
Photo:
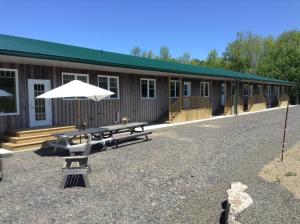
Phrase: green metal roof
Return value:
(25, 47)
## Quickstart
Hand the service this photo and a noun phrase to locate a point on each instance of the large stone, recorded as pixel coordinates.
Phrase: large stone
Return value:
(237, 201)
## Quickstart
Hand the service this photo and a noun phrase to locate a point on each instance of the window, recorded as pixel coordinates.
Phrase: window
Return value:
(204, 89)
(148, 88)
(174, 88)
(276, 90)
(258, 89)
(9, 95)
(68, 77)
(110, 83)
(269, 91)
(245, 90)
(283, 90)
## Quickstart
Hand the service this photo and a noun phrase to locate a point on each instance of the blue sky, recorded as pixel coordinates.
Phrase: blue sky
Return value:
(184, 26)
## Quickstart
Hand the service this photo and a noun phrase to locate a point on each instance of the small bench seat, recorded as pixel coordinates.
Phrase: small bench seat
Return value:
(124, 137)
(4, 153)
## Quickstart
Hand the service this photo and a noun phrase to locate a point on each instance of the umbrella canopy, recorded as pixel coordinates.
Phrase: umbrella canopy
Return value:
(77, 89)
(3, 93)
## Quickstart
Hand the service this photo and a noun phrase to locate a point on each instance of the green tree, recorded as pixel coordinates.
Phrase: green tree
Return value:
(244, 53)
(283, 58)
(196, 61)
(164, 53)
(136, 51)
(185, 58)
(150, 54)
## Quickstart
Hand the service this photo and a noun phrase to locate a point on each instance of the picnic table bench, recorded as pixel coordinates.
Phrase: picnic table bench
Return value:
(66, 139)
(122, 132)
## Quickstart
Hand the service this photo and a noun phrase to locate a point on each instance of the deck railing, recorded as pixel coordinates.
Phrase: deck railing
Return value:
(192, 102)
(284, 97)
(188, 102)
(256, 99)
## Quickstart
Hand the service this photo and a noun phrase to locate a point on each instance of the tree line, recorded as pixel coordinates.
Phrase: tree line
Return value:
(276, 57)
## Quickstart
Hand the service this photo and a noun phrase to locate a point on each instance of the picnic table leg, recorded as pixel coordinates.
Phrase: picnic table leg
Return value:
(1, 169)
(64, 181)
(86, 180)
(116, 143)
(55, 147)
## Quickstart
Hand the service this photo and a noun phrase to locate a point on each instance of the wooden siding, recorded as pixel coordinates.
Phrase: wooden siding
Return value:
(108, 111)
(95, 114)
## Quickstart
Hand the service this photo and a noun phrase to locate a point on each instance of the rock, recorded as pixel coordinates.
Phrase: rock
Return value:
(237, 201)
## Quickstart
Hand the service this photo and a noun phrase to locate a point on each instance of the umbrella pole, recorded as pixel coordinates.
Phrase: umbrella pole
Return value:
(78, 116)
(284, 131)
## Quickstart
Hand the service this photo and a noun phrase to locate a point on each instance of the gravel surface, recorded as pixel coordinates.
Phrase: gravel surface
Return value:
(181, 176)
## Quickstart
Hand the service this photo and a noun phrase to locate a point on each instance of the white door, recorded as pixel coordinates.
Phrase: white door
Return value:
(222, 94)
(187, 90)
(39, 109)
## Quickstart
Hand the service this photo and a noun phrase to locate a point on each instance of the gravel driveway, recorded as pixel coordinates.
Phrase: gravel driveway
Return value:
(181, 176)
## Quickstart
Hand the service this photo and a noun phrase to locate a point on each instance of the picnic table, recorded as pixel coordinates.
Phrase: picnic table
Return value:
(66, 139)
(121, 132)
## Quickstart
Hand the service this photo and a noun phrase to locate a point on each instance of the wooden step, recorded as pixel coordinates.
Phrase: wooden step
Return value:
(34, 138)
(22, 146)
(44, 131)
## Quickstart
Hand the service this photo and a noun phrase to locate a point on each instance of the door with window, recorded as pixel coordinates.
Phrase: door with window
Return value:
(222, 94)
(39, 109)
(187, 92)
(246, 95)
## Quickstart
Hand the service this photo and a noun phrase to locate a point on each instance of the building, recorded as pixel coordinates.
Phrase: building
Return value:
(145, 89)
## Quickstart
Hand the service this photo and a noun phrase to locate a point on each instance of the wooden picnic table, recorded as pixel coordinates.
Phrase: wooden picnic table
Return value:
(116, 131)
(121, 128)
(65, 139)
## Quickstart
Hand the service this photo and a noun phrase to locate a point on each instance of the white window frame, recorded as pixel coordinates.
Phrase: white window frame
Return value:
(205, 83)
(108, 85)
(260, 90)
(175, 90)
(269, 91)
(148, 88)
(75, 75)
(17, 91)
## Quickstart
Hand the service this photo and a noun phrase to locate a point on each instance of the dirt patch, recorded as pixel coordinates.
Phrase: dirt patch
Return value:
(286, 173)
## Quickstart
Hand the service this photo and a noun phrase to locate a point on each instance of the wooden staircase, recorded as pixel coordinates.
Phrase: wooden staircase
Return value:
(32, 138)
(227, 111)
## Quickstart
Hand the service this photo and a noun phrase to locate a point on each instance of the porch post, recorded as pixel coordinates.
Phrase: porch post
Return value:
(180, 93)
(169, 98)
(235, 100)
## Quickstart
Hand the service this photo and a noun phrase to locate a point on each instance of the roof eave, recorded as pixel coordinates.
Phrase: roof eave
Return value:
(86, 61)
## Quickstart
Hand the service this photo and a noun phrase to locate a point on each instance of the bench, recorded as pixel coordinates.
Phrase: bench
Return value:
(124, 137)
(76, 166)
(4, 153)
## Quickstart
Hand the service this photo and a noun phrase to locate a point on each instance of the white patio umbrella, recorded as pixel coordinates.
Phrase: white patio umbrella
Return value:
(3, 93)
(77, 89)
